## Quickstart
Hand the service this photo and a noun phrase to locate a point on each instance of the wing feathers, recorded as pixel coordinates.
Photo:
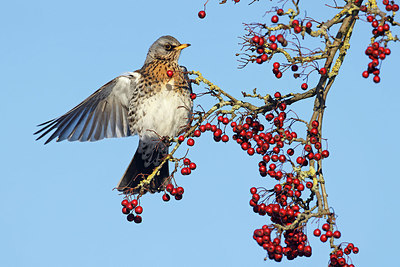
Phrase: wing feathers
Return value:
(104, 114)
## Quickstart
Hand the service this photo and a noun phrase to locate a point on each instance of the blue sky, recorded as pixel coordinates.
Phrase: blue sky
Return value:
(56, 201)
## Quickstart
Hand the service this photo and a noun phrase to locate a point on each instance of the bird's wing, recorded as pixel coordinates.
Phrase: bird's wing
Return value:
(104, 114)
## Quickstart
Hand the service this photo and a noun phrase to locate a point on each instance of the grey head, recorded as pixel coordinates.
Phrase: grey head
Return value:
(165, 48)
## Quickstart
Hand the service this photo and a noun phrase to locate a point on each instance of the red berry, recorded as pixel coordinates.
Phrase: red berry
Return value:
(317, 232)
(308, 25)
(377, 79)
(279, 12)
(192, 166)
(169, 188)
(297, 29)
(274, 19)
(322, 71)
(365, 74)
(253, 190)
(255, 39)
(124, 202)
(170, 73)
(304, 86)
(125, 210)
(134, 202)
(325, 227)
(370, 18)
(250, 151)
(185, 171)
(273, 46)
(395, 7)
(180, 190)
(337, 234)
(276, 65)
(190, 142)
(272, 38)
(323, 238)
(186, 161)
(181, 138)
(325, 153)
(295, 22)
(309, 185)
(166, 197)
(197, 133)
(202, 14)
(138, 210)
(290, 151)
(193, 96)
(225, 138)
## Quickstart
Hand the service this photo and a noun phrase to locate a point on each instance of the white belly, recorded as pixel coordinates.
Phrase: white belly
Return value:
(163, 114)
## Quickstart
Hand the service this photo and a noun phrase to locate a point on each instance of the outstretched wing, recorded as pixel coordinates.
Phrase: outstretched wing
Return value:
(104, 114)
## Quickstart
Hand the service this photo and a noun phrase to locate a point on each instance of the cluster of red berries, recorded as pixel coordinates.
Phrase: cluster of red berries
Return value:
(390, 5)
(375, 52)
(189, 167)
(131, 207)
(379, 29)
(337, 258)
(218, 133)
(260, 42)
(295, 244)
(328, 233)
(281, 212)
(177, 192)
(270, 144)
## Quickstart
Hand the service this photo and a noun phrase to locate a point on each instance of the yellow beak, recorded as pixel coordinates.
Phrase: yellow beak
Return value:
(180, 47)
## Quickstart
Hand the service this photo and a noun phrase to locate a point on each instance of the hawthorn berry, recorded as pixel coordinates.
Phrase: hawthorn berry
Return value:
(124, 202)
(138, 210)
(323, 238)
(190, 142)
(337, 234)
(170, 73)
(166, 197)
(202, 14)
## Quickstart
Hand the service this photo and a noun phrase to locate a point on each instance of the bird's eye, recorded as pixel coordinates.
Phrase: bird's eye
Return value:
(168, 47)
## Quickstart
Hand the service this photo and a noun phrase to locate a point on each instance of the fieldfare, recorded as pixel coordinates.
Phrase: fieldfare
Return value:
(153, 102)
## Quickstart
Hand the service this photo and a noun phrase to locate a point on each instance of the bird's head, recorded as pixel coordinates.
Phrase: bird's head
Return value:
(165, 48)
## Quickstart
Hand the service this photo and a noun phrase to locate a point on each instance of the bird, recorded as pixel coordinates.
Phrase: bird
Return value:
(152, 102)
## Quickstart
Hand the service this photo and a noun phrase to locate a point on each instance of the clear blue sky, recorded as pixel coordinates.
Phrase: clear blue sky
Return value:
(57, 207)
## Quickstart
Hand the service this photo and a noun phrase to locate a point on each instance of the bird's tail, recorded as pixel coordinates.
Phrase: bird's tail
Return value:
(148, 156)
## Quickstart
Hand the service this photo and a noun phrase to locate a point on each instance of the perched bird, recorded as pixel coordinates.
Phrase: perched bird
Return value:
(153, 102)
